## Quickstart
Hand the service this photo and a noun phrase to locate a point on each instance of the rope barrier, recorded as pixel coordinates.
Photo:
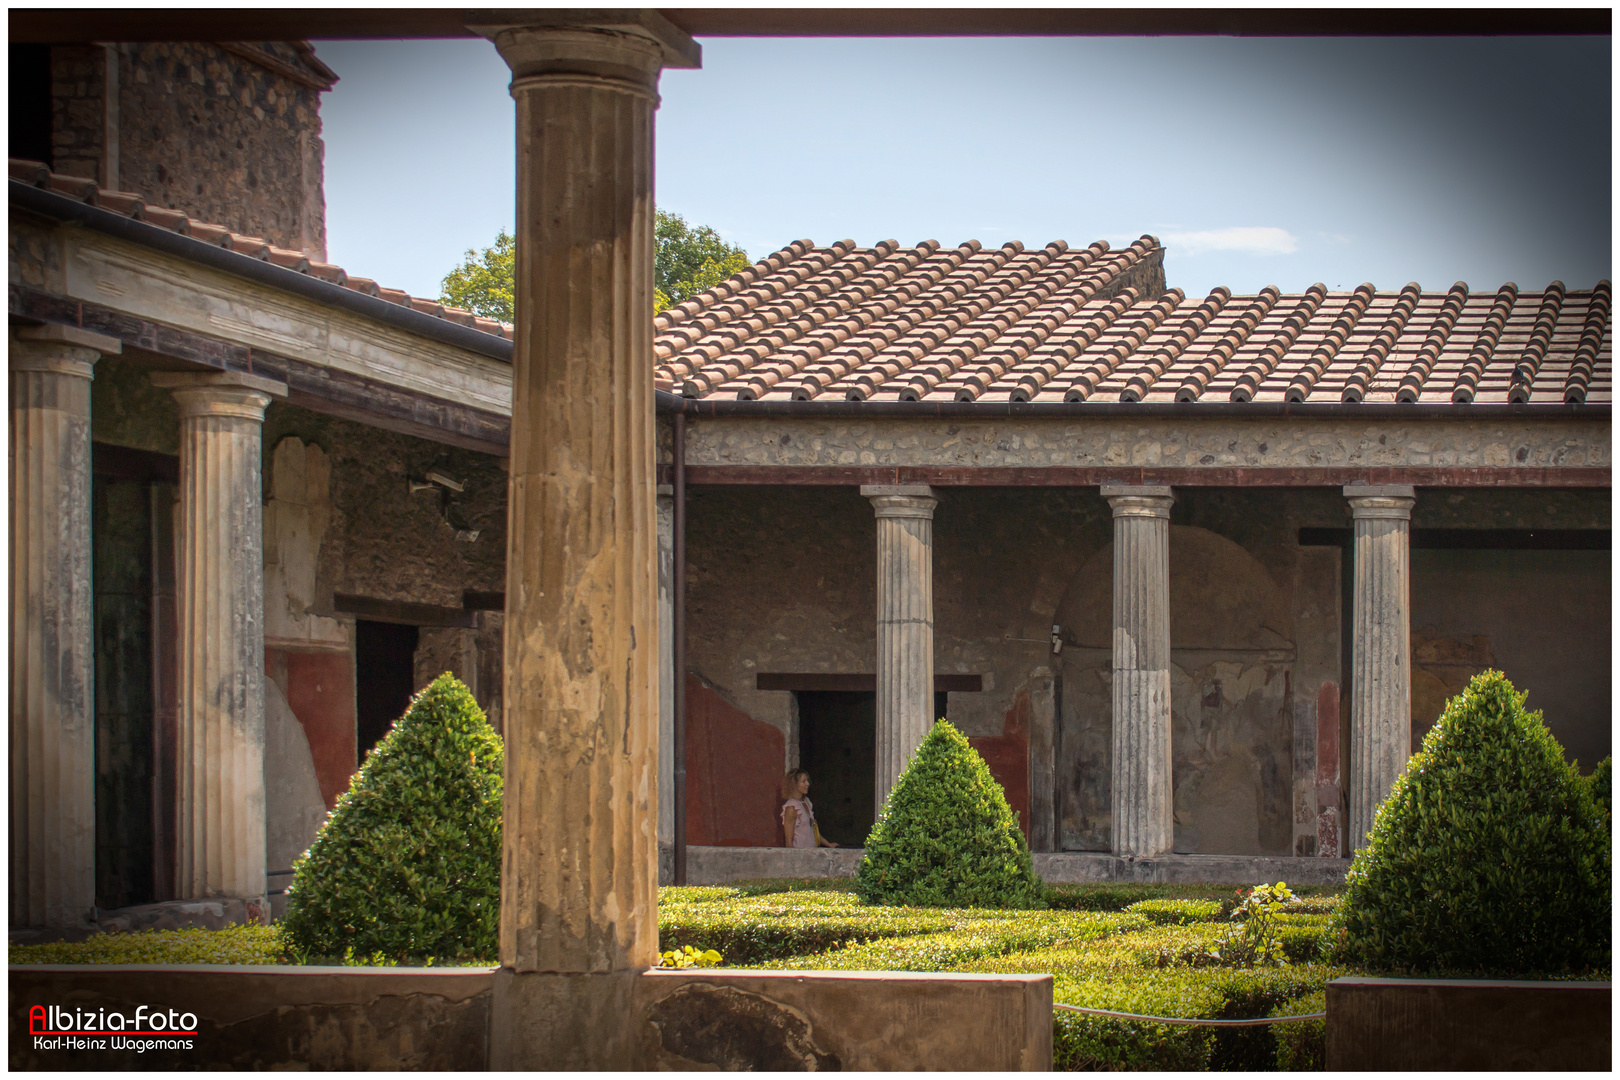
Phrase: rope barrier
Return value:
(1191, 1021)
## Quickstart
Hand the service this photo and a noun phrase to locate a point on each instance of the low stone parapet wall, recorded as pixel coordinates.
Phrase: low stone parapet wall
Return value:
(1467, 1024)
(718, 865)
(867, 1020)
(406, 1019)
(1069, 867)
(250, 1017)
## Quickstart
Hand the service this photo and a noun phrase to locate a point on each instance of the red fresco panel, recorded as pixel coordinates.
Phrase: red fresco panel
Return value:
(1007, 755)
(320, 690)
(734, 767)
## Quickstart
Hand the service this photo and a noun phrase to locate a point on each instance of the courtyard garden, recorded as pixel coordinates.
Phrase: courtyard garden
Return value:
(1490, 858)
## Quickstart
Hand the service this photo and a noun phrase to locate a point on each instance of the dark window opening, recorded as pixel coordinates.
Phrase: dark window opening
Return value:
(29, 82)
(838, 748)
(384, 679)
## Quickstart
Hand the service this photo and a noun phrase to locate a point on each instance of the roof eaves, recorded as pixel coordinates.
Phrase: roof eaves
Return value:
(66, 209)
(667, 402)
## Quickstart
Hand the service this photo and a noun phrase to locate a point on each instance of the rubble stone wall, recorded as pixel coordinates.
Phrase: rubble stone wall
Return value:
(1152, 442)
(198, 128)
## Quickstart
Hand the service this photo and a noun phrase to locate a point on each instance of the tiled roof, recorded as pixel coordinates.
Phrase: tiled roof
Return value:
(133, 206)
(968, 324)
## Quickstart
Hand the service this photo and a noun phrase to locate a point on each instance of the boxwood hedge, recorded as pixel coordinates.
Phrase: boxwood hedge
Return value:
(946, 836)
(408, 864)
(1489, 857)
(1178, 912)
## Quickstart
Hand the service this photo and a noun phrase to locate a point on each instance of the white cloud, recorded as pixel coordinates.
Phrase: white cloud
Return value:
(1249, 240)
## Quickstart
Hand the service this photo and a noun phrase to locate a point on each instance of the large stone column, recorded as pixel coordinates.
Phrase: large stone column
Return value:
(578, 881)
(1143, 799)
(220, 820)
(53, 761)
(905, 625)
(1381, 650)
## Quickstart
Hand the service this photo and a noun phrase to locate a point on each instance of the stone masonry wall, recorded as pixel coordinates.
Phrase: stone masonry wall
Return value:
(383, 542)
(34, 254)
(1152, 442)
(195, 127)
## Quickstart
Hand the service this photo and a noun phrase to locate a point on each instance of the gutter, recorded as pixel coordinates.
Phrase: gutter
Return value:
(666, 402)
(70, 211)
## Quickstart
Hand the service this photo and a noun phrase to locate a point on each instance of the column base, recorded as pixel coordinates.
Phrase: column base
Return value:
(546, 1020)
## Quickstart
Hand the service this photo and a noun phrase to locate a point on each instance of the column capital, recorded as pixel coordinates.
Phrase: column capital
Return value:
(61, 349)
(221, 393)
(1387, 501)
(901, 500)
(1139, 500)
(586, 45)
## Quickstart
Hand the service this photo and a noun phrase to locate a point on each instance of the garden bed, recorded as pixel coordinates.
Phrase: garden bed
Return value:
(1106, 946)
(1102, 943)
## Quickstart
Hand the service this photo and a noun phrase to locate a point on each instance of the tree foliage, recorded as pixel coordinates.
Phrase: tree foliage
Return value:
(408, 864)
(1490, 856)
(946, 836)
(687, 260)
(483, 283)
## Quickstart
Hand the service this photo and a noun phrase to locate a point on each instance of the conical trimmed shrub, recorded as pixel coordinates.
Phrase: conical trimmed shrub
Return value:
(1602, 784)
(1490, 856)
(408, 864)
(946, 836)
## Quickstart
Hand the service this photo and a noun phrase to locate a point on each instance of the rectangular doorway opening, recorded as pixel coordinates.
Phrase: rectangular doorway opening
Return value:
(838, 748)
(384, 679)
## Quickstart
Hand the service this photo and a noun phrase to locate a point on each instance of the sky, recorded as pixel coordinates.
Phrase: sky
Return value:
(1256, 161)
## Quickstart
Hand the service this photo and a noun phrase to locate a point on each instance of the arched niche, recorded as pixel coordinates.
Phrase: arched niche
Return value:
(1221, 598)
(1232, 654)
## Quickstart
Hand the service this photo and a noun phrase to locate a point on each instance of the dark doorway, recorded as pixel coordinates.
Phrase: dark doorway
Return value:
(384, 679)
(838, 748)
(121, 532)
(132, 497)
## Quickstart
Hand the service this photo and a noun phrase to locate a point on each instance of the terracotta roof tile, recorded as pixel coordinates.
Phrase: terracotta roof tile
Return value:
(1593, 330)
(212, 234)
(928, 323)
(133, 206)
(172, 220)
(291, 260)
(1372, 359)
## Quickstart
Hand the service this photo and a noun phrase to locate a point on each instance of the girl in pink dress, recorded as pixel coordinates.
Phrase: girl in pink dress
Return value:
(798, 817)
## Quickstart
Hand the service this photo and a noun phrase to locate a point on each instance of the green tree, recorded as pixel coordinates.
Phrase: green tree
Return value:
(687, 260)
(946, 836)
(482, 284)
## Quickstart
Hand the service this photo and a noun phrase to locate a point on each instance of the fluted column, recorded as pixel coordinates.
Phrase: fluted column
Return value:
(220, 822)
(1143, 799)
(53, 763)
(905, 625)
(1381, 651)
(579, 870)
